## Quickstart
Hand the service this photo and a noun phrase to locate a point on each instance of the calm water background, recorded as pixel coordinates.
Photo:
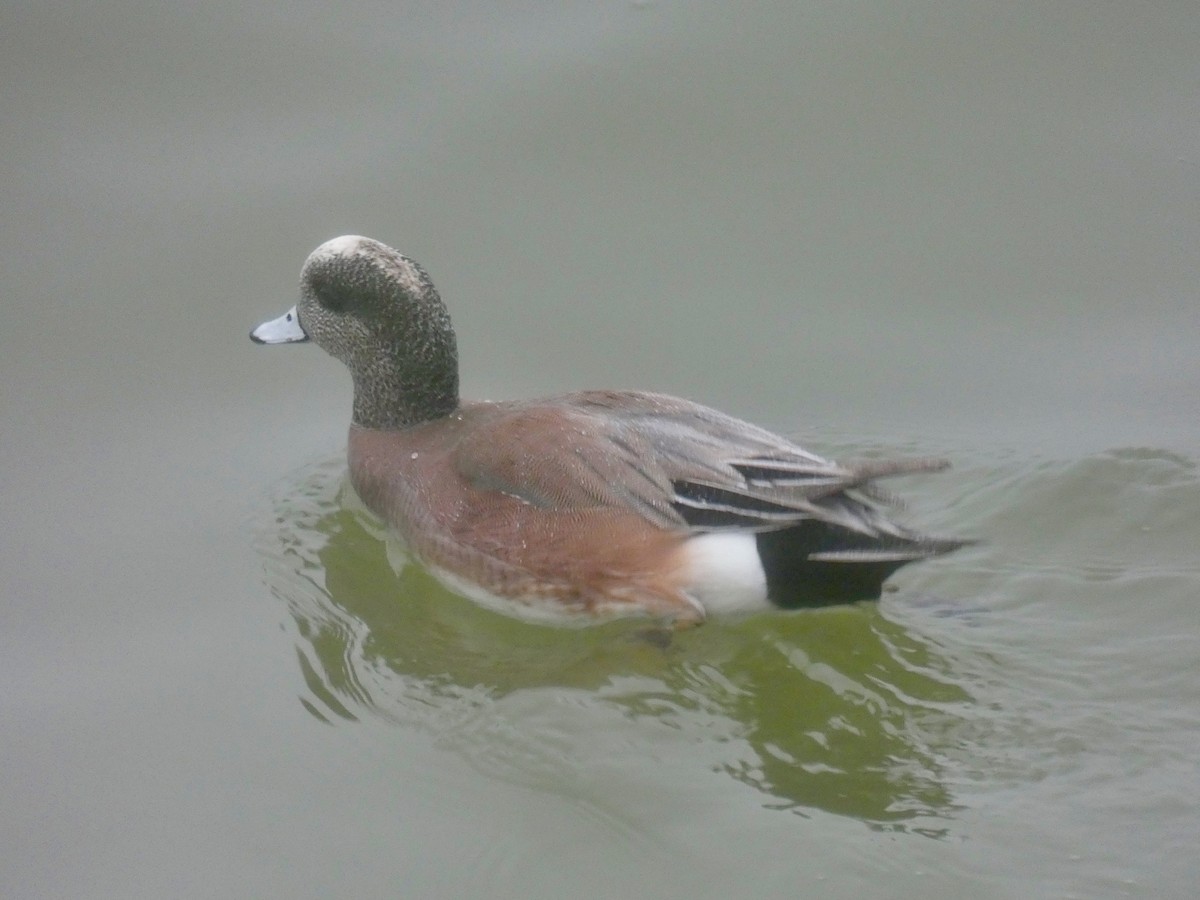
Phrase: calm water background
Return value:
(967, 229)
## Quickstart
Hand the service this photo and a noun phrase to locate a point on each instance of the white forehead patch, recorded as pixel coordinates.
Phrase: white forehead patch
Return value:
(392, 263)
(346, 245)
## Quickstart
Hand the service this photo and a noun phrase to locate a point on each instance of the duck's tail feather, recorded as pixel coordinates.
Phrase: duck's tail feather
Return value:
(815, 563)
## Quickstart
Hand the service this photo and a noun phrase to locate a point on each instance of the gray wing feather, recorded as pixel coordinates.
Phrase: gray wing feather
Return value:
(715, 472)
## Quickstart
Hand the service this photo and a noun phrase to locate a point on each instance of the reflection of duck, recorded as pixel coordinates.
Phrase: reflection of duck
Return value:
(840, 710)
(599, 502)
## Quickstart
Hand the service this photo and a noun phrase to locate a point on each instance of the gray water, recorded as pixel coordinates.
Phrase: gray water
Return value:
(967, 230)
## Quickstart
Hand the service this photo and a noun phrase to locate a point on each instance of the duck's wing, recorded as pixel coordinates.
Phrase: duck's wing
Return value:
(728, 474)
(684, 466)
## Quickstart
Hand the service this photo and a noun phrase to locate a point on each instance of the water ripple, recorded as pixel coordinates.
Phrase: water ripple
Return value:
(1017, 664)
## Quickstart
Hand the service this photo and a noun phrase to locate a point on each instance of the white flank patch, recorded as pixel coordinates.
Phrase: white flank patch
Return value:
(726, 574)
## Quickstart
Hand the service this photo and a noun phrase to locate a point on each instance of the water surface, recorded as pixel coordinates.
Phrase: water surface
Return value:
(916, 228)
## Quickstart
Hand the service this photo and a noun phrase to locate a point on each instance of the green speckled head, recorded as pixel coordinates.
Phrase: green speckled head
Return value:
(378, 312)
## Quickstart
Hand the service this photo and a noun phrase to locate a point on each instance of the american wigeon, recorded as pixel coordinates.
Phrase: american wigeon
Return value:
(595, 503)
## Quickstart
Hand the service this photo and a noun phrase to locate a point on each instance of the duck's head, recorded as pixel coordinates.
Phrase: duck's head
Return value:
(378, 312)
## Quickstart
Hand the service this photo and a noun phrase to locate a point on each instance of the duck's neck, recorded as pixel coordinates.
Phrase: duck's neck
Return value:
(400, 390)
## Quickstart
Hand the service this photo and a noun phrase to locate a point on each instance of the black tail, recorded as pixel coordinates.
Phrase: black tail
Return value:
(815, 563)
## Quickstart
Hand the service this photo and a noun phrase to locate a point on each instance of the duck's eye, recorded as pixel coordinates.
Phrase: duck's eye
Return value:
(334, 300)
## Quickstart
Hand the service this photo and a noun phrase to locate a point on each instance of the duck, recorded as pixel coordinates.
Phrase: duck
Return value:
(586, 505)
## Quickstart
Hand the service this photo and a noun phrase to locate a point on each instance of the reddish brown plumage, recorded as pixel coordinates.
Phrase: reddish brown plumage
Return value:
(497, 495)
